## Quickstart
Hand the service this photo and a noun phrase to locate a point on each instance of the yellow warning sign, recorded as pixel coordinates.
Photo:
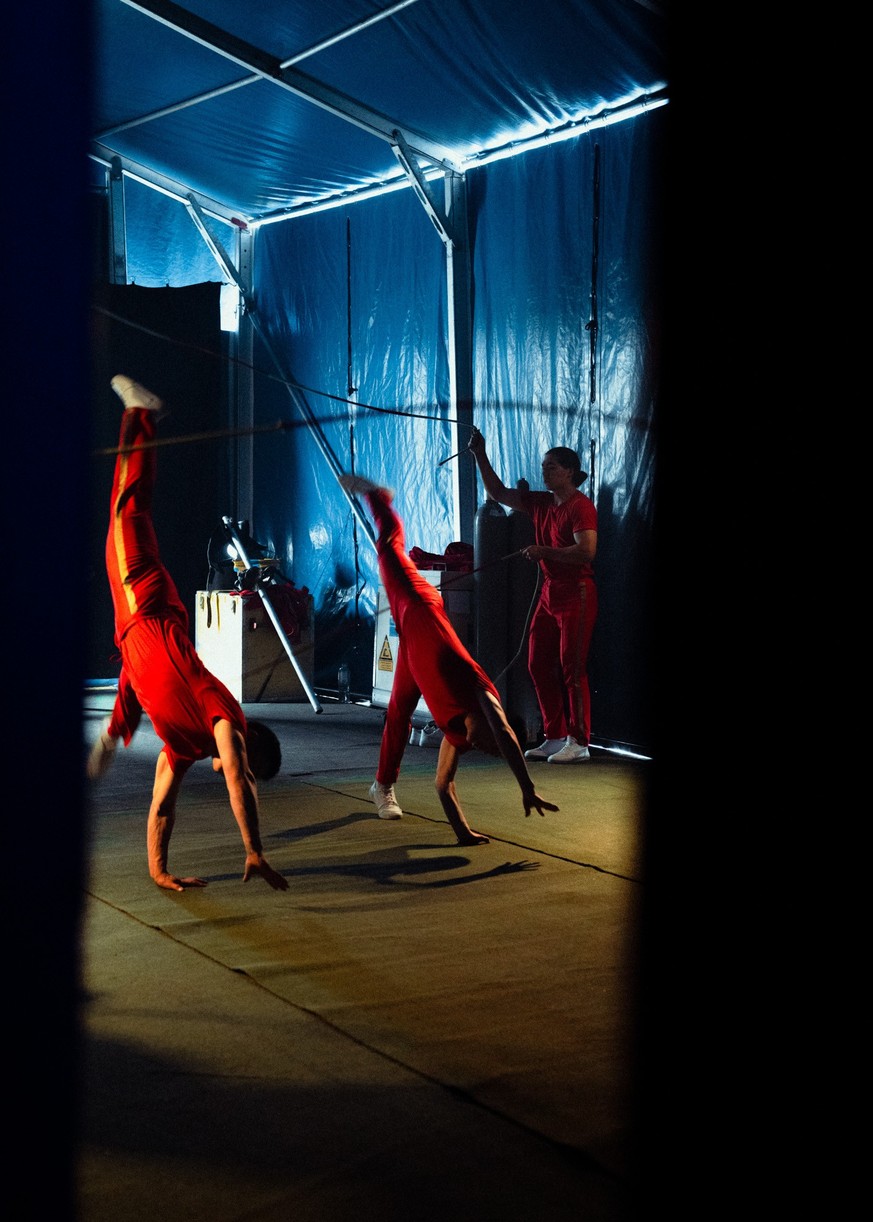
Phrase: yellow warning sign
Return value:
(386, 658)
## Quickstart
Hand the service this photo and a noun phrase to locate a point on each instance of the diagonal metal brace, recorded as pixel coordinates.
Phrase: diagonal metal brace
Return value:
(271, 611)
(413, 171)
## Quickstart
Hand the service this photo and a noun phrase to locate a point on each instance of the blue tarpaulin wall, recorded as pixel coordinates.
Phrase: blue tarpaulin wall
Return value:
(353, 305)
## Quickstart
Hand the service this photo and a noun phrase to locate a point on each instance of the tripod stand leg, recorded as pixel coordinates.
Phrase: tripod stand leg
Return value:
(265, 598)
(283, 637)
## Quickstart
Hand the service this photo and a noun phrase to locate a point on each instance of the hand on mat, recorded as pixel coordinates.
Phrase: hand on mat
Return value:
(170, 883)
(256, 864)
(535, 802)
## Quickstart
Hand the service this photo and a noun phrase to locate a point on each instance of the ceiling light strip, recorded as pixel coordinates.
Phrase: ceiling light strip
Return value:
(471, 161)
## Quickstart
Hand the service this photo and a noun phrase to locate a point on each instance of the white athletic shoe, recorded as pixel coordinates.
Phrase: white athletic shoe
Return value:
(545, 749)
(571, 753)
(132, 394)
(386, 802)
(357, 484)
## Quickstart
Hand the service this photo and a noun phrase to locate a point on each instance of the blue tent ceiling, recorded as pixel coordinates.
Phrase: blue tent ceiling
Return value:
(262, 109)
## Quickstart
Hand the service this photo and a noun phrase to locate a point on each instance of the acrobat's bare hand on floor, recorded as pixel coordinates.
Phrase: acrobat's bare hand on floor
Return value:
(256, 864)
(171, 883)
(535, 802)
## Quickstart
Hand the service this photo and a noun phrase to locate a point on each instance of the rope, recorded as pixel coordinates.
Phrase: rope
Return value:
(274, 377)
(481, 568)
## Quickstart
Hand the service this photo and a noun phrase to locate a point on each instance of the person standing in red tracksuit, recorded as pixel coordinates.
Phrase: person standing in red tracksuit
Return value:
(433, 663)
(565, 525)
(191, 710)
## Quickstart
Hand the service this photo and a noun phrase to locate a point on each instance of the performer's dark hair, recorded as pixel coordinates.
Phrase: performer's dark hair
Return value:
(570, 459)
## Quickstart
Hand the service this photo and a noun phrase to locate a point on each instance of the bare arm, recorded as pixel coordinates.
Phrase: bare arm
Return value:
(243, 793)
(162, 817)
(447, 767)
(509, 748)
(493, 484)
(582, 551)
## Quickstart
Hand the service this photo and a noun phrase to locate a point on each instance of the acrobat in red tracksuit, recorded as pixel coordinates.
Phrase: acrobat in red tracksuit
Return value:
(161, 671)
(563, 622)
(431, 661)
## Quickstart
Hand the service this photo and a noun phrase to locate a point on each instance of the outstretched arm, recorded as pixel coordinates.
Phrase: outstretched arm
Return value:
(162, 817)
(493, 484)
(509, 748)
(243, 793)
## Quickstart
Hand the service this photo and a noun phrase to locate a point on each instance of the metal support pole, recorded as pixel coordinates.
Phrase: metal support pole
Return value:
(271, 611)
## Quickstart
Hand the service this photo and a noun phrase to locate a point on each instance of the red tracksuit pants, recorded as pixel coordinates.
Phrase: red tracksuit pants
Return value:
(560, 638)
(432, 661)
(161, 672)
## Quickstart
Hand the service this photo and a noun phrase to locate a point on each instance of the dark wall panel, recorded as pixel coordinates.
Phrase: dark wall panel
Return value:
(170, 340)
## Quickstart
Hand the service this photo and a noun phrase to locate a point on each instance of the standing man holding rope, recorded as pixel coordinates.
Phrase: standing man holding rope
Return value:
(191, 710)
(433, 663)
(565, 524)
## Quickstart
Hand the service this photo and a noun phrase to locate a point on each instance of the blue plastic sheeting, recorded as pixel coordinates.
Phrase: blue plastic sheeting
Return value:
(357, 298)
(534, 269)
(466, 74)
(352, 299)
(164, 246)
(538, 222)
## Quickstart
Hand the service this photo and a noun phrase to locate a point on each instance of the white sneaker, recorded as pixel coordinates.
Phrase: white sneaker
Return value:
(386, 803)
(132, 394)
(358, 484)
(545, 750)
(102, 754)
(571, 753)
